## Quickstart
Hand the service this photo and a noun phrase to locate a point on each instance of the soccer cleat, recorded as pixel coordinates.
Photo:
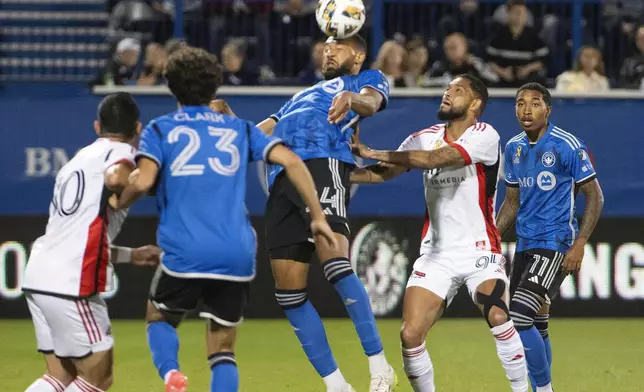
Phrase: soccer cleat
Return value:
(177, 382)
(384, 382)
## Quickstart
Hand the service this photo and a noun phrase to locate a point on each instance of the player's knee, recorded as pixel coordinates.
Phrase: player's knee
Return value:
(495, 310)
(108, 383)
(411, 335)
(337, 268)
(221, 338)
(497, 316)
(222, 357)
(289, 274)
(291, 299)
(525, 304)
(153, 314)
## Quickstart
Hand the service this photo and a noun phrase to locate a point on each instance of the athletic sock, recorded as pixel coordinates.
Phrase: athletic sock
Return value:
(164, 346)
(418, 368)
(339, 273)
(80, 385)
(224, 374)
(309, 329)
(46, 383)
(510, 352)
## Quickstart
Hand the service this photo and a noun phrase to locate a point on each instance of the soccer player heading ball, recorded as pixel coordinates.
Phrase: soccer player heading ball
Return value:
(317, 124)
(200, 159)
(545, 167)
(460, 245)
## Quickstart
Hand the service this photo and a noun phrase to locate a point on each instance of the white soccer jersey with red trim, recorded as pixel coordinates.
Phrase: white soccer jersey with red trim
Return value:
(460, 200)
(72, 257)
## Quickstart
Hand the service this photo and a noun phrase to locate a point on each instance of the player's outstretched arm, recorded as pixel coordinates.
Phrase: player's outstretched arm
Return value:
(144, 256)
(416, 159)
(509, 210)
(300, 177)
(116, 176)
(376, 174)
(366, 104)
(140, 182)
(594, 206)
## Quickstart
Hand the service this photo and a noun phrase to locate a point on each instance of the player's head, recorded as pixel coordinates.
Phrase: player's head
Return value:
(118, 116)
(193, 76)
(465, 96)
(533, 106)
(343, 56)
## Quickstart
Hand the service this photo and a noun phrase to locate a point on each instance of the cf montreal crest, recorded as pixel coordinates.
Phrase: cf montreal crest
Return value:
(379, 259)
(548, 159)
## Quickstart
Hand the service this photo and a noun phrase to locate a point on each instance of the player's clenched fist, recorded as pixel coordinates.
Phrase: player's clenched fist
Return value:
(221, 106)
(340, 107)
(574, 257)
(321, 230)
(146, 256)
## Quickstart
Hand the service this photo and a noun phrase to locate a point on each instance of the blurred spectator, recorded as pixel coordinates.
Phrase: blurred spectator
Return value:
(468, 18)
(501, 16)
(313, 72)
(120, 69)
(136, 19)
(390, 62)
(416, 64)
(516, 53)
(458, 60)
(620, 20)
(156, 57)
(632, 73)
(293, 33)
(237, 71)
(587, 74)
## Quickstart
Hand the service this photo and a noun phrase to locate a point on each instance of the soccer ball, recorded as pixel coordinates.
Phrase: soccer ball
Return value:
(340, 18)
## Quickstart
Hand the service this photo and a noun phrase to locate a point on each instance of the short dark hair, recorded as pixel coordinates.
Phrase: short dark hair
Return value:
(118, 114)
(193, 76)
(356, 41)
(514, 3)
(538, 87)
(478, 87)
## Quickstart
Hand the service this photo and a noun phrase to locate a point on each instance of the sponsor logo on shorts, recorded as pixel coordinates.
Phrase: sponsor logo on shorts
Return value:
(378, 255)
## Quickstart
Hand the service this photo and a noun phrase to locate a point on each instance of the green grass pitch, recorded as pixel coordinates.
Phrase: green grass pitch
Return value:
(589, 356)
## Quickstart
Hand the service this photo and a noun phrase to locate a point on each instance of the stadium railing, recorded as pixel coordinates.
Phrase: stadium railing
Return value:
(71, 40)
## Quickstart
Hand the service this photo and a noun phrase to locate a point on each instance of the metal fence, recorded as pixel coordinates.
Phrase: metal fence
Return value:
(274, 39)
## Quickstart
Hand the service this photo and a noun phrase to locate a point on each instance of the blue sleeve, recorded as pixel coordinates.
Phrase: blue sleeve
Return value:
(577, 162)
(277, 116)
(150, 144)
(376, 80)
(260, 143)
(511, 179)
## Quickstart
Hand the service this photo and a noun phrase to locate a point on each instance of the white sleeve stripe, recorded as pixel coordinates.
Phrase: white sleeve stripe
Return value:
(565, 140)
(511, 182)
(563, 135)
(570, 136)
(585, 178)
(149, 156)
(269, 147)
(517, 138)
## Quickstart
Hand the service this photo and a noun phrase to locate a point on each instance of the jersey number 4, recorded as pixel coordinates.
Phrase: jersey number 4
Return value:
(181, 167)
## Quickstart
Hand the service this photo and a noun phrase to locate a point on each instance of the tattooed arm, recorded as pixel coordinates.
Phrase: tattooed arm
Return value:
(509, 210)
(376, 174)
(417, 159)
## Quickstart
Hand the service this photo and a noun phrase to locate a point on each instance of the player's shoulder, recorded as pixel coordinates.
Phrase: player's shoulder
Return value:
(428, 134)
(566, 140)
(516, 140)
(372, 73)
(484, 128)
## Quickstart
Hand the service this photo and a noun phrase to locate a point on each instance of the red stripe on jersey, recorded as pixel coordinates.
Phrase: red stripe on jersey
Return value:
(463, 152)
(433, 129)
(487, 209)
(425, 225)
(95, 259)
(484, 126)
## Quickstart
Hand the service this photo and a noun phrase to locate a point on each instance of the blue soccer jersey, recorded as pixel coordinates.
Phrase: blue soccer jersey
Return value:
(302, 123)
(204, 229)
(547, 174)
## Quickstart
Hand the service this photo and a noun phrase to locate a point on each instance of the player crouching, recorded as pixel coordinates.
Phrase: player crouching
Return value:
(70, 265)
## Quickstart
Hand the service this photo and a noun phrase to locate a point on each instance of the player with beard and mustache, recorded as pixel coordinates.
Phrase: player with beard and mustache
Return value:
(317, 124)
(460, 242)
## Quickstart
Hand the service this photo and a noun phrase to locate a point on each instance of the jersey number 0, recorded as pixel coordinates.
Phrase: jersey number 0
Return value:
(180, 165)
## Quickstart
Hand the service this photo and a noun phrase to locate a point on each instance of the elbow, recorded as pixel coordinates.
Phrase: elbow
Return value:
(113, 183)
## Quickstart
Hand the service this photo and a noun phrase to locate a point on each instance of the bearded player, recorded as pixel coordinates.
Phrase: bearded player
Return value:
(317, 124)
(460, 244)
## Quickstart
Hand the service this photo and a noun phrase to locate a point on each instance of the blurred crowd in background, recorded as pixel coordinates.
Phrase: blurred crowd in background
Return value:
(277, 42)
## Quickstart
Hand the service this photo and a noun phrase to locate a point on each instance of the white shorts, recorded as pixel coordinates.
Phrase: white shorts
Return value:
(70, 328)
(444, 273)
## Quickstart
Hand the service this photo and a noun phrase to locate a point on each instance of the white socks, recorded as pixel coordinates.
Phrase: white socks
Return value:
(46, 383)
(80, 385)
(378, 363)
(510, 351)
(335, 381)
(547, 388)
(419, 368)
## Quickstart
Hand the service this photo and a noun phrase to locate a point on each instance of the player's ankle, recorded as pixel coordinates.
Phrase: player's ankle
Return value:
(378, 363)
(335, 381)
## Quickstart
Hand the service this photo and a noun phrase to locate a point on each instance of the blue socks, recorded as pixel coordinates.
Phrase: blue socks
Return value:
(225, 377)
(308, 327)
(535, 352)
(339, 273)
(541, 323)
(164, 345)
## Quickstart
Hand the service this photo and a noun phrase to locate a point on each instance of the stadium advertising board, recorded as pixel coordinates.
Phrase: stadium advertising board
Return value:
(41, 133)
(610, 283)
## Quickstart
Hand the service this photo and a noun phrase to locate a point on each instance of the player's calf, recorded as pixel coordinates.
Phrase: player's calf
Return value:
(221, 358)
(94, 373)
(60, 373)
(163, 340)
(491, 297)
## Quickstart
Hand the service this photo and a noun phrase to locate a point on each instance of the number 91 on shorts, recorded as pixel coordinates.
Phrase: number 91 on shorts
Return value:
(444, 273)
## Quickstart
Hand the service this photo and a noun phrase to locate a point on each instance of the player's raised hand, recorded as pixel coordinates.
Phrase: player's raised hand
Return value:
(340, 107)
(146, 256)
(221, 106)
(574, 257)
(134, 176)
(322, 232)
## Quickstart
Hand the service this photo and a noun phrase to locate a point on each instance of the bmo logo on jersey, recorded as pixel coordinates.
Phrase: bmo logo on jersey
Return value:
(546, 181)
